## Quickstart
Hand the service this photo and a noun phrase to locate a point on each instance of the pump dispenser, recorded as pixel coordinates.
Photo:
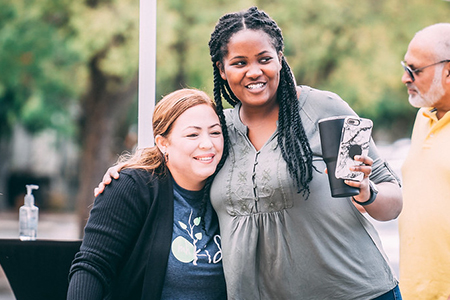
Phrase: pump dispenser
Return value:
(28, 216)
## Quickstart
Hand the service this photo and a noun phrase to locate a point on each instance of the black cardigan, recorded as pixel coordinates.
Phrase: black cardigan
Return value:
(127, 240)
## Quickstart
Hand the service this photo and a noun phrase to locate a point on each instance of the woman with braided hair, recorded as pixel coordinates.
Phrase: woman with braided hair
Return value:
(283, 235)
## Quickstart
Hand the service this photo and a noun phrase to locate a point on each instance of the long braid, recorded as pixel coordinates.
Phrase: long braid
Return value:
(294, 144)
(292, 139)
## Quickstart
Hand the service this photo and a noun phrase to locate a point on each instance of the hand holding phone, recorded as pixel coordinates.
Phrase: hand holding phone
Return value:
(355, 140)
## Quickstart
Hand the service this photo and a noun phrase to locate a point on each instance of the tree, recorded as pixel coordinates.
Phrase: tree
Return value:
(354, 49)
(349, 48)
(64, 53)
(111, 56)
(36, 67)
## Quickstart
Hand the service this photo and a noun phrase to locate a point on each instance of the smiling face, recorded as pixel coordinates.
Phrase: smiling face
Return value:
(252, 68)
(194, 146)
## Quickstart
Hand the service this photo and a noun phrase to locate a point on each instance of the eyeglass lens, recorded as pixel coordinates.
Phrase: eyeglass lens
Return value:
(408, 70)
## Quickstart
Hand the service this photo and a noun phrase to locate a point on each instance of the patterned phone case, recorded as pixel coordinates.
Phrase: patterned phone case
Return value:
(355, 139)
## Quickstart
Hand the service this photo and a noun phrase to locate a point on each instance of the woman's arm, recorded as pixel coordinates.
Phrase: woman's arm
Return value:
(115, 220)
(388, 203)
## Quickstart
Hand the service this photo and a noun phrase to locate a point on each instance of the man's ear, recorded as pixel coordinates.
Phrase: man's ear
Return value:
(446, 76)
(221, 70)
(161, 142)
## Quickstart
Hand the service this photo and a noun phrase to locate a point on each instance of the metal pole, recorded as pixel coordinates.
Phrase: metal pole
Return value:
(147, 71)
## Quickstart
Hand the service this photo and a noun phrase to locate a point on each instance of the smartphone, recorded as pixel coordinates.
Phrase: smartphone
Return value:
(355, 140)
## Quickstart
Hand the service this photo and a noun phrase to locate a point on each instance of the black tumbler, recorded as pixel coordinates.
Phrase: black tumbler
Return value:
(330, 130)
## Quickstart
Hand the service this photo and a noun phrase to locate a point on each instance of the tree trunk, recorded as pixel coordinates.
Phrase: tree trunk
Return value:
(103, 106)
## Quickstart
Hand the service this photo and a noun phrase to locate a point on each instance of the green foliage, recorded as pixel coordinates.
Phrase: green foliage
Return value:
(46, 47)
(351, 48)
(183, 31)
(354, 49)
(36, 67)
(110, 29)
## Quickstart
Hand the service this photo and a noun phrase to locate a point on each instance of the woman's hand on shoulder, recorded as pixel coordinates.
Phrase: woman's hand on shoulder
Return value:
(111, 173)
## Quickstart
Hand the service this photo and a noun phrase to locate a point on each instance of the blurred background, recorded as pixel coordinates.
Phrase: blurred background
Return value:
(69, 83)
(69, 74)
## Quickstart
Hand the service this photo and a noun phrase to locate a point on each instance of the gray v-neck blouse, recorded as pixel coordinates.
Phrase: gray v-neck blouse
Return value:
(277, 244)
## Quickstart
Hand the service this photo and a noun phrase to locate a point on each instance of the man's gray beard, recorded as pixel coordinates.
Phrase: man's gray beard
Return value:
(434, 94)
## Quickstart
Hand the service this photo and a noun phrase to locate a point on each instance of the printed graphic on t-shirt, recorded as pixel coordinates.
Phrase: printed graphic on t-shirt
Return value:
(187, 250)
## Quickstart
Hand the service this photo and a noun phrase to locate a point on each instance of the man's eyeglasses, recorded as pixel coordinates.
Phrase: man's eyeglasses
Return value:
(411, 71)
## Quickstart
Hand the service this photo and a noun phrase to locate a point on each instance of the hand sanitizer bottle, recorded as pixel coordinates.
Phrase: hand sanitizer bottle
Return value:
(28, 216)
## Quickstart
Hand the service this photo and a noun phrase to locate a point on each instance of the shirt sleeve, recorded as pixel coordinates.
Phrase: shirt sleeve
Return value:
(381, 170)
(114, 223)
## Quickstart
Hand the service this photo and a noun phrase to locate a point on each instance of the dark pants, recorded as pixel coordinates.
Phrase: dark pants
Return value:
(393, 294)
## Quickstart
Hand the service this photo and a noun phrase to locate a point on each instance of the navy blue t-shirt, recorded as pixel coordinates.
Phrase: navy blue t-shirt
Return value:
(194, 270)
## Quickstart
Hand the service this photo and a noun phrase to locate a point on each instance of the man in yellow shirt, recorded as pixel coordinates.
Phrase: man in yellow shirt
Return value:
(424, 224)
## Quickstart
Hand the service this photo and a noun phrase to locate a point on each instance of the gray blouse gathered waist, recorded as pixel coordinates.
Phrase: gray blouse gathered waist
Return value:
(279, 245)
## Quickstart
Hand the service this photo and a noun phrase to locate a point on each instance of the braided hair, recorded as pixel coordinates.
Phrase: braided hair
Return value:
(292, 139)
